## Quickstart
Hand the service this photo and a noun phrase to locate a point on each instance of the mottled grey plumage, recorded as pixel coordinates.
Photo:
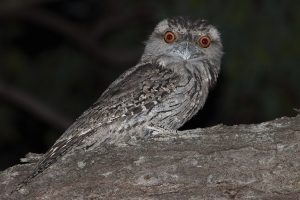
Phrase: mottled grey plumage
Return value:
(163, 91)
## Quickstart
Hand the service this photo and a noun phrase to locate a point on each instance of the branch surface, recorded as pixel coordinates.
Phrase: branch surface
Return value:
(258, 161)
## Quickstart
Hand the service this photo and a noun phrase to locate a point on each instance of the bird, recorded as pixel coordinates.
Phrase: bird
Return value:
(166, 88)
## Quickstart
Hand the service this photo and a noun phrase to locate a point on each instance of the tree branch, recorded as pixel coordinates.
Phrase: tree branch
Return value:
(259, 161)
(12, 5)
(82, 38)
(106, 25)
(34, 107)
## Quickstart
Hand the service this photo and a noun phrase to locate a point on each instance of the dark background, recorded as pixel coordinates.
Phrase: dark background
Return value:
(58, 56)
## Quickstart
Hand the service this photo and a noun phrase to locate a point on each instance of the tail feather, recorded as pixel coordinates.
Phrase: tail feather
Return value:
(59, 149)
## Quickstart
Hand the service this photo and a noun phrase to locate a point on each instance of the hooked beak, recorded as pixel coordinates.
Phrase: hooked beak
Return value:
(185, 50)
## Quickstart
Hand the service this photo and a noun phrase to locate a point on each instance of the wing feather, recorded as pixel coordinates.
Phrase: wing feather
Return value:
(130, 93)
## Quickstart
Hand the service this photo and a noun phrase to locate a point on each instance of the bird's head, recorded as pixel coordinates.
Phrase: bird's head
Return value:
(181, 39)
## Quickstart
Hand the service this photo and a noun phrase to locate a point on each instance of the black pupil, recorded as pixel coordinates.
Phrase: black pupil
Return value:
(205, 41)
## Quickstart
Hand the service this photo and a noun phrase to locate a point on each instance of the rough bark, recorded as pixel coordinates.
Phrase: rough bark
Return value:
(258, 161)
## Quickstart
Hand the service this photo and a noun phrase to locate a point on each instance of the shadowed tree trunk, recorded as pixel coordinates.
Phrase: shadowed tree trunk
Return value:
(259, 161)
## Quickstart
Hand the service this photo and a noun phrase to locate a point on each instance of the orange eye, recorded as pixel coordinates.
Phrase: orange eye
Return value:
(204, 41)
(169, 37)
